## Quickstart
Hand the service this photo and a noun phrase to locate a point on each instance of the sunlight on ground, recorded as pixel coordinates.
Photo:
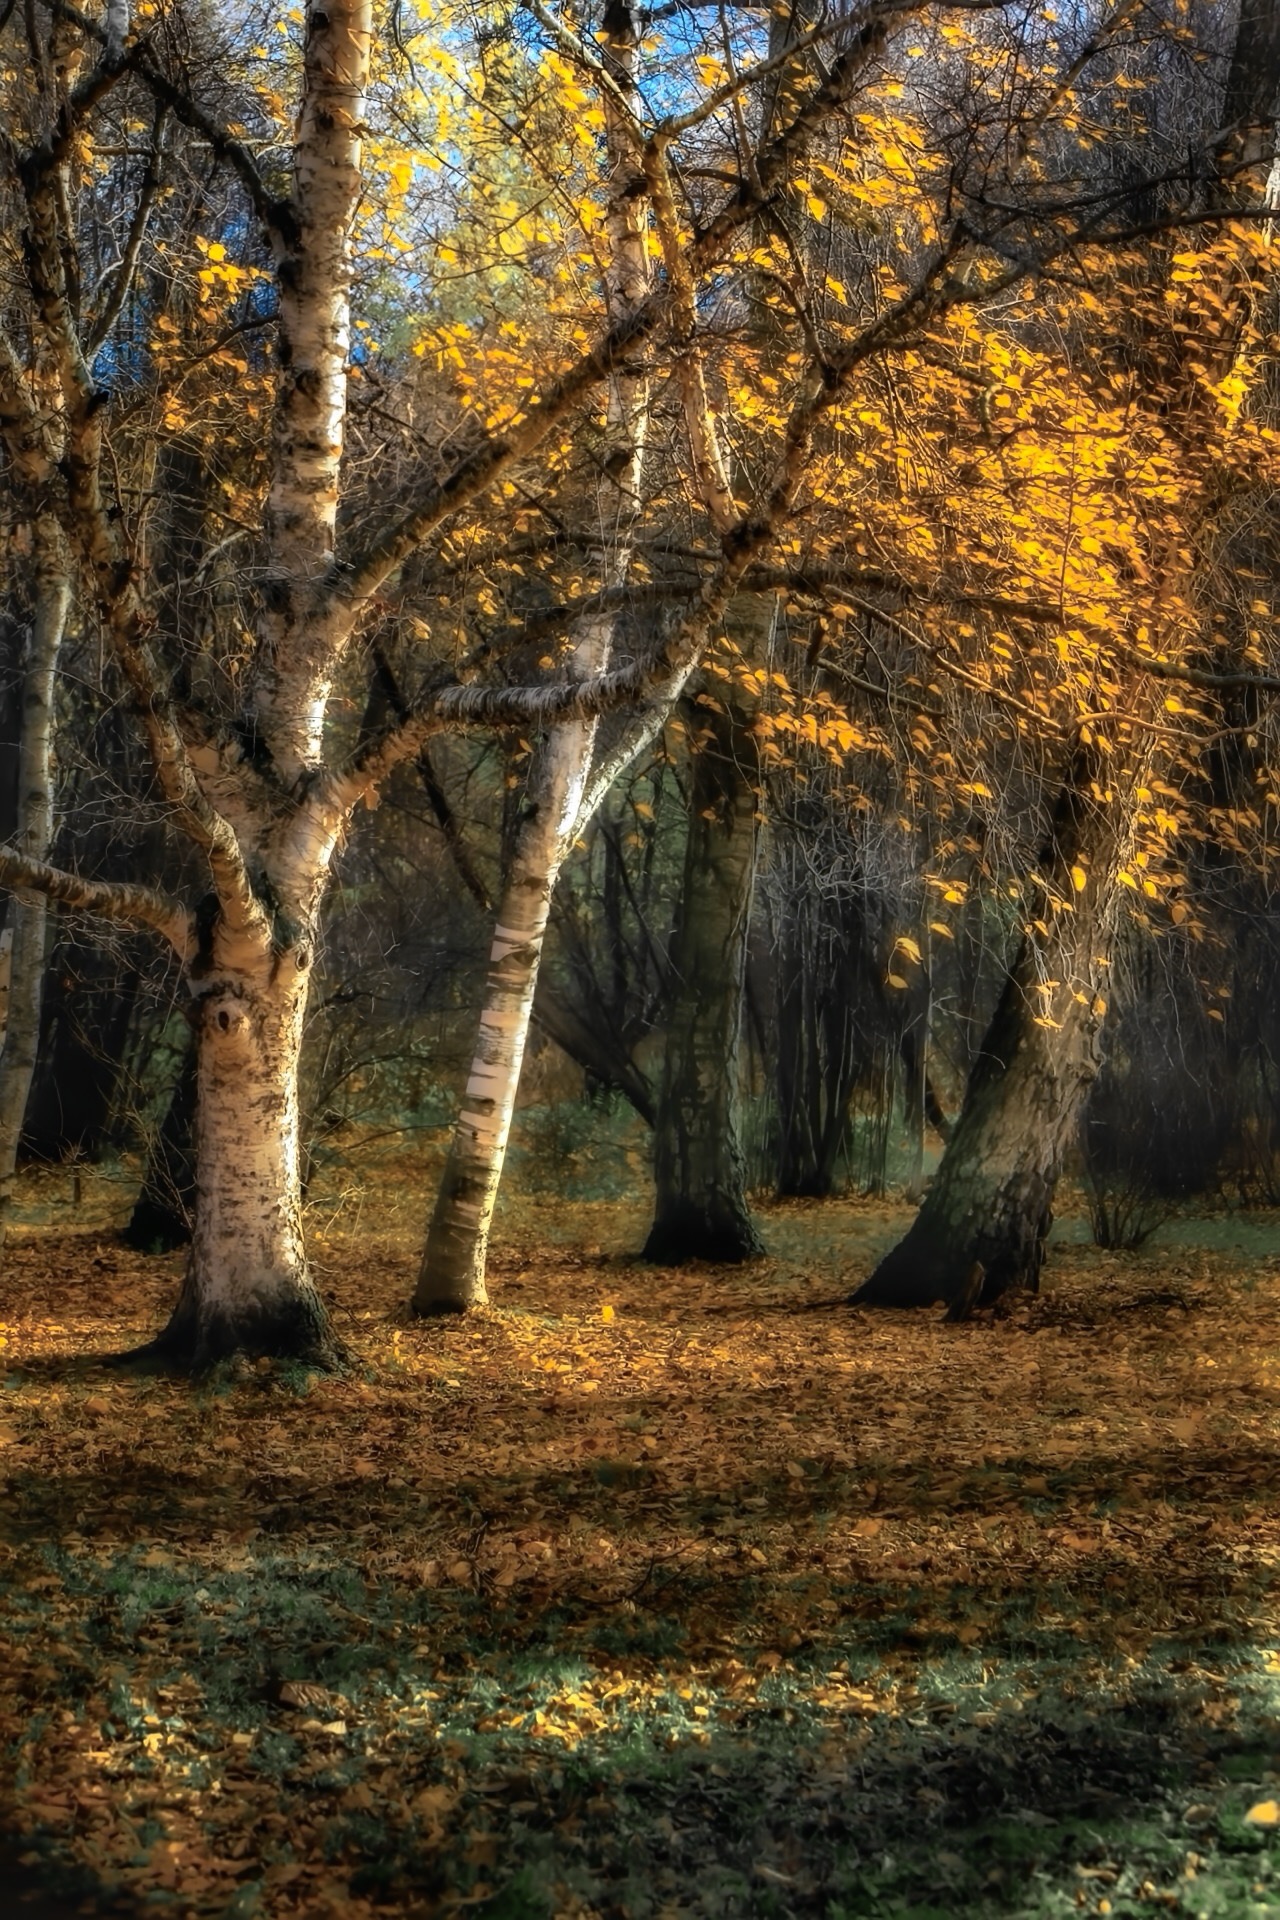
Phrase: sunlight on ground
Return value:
(650, 1594)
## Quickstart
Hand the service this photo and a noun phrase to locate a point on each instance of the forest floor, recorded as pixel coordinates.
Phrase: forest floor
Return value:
(647, 1594)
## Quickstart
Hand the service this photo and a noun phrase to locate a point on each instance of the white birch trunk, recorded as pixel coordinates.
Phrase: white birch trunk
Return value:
(247, 1286)
(29, 914)
(452, 1274)
(292, 685)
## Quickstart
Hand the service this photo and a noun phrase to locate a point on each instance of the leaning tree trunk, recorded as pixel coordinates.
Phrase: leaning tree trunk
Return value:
(247, 1287)
(452, 1275)
(29, 915)
(451, 1278)
(701, 1208)
(984, 1222)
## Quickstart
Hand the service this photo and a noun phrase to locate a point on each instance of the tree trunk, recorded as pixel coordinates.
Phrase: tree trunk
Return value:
(701, 1208)
(452, 1275)
(163, 1211)
(29, 914)
(984, 1222)
(451, 1279)
(247, 1287)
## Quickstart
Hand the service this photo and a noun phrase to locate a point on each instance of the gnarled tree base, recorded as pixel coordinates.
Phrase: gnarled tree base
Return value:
(428, 1305)
(964, 1264)
(724, 1236)
(291, 1326)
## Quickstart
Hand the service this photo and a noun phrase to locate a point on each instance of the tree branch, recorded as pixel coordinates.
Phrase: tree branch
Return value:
(276, 215)
(113, 899)
(359, 576)
(133, 245)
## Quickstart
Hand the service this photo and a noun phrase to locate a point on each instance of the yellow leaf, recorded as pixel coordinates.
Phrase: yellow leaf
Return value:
(817, 208)
(1265, 1814)
(606, 1312)
(1079, 879)
(894, 980)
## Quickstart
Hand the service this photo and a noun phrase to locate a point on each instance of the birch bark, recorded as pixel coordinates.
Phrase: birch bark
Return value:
(29, 915)
(247, 1284)
(452, 1274)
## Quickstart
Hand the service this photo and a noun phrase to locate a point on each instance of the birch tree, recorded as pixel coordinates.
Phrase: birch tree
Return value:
(453, 1264)
(260, 787)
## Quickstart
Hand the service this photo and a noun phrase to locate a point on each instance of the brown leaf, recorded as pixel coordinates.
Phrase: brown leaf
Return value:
(305, 1694)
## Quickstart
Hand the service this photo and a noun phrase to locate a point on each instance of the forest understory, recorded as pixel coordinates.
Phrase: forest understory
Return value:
(645, 1593)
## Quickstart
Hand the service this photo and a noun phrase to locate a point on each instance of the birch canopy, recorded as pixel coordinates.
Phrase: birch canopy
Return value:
(521, 344)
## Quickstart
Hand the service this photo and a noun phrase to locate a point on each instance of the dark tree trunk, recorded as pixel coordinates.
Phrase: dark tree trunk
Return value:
(162, 1214)
(816, 1055)
(701, 1209)
(984, 1222)
(89, 1007)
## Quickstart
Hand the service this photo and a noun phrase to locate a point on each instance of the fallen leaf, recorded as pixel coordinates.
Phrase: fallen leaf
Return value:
(312, 1698)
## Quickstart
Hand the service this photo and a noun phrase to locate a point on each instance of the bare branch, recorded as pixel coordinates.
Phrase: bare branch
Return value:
(113, 899)
(133, 245)
(276, 215)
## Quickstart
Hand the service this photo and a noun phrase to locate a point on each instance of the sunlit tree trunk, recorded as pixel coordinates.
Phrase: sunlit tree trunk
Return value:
(247, 1286)
(29, 914)
(700, 1209)
(984, 1222)
(451, 1278)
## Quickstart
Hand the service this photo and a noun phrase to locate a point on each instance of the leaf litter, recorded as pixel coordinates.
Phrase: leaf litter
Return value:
(645, 1594)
